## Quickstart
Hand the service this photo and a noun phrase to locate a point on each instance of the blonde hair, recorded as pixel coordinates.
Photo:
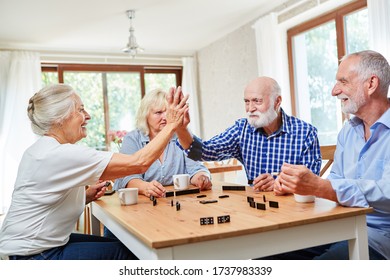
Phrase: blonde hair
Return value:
(50, 106)
(155, 98)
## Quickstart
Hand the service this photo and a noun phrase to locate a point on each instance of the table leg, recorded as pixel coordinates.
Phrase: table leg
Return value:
(358, 248)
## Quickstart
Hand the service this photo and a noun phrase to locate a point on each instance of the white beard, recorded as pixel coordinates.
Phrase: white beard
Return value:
(263, 119)
(353, 104)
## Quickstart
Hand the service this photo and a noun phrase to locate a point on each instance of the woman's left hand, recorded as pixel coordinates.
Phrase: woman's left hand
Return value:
(202, 181)
(95, 191)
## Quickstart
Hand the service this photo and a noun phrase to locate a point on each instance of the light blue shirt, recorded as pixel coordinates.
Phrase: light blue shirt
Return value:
(360, 176)
(175, 161)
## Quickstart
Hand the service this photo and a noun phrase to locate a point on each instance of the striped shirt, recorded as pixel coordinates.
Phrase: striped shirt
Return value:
(296, 142)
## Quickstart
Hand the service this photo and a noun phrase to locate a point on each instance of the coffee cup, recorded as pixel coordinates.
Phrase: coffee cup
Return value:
(304, 198)
(181, 181)
(128, 196)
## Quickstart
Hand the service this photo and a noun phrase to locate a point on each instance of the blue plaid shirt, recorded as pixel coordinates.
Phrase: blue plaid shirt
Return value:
(296, 142)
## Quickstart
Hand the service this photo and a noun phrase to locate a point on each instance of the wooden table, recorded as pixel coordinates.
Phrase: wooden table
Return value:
(162, 232)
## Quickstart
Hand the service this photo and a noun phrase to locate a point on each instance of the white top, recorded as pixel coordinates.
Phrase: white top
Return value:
(49, 195)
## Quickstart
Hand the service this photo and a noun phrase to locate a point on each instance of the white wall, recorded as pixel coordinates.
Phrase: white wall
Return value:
(224, 68)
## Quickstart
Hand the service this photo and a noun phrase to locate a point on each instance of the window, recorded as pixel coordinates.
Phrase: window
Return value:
(159, 80)
(111, 93)
(315, 48)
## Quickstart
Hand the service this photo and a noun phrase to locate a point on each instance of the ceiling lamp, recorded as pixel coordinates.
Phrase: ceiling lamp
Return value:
(132, 47)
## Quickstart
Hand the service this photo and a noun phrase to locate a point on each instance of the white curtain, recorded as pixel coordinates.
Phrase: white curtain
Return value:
(379, 25)
(268, 46)
(189, 86)
(272, 54)
(20, 78)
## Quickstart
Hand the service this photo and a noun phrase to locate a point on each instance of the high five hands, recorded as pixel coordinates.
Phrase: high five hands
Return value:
(178, 111)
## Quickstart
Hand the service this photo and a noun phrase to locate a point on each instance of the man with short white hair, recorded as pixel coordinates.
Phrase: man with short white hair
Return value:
(263, 141)
(360, 175)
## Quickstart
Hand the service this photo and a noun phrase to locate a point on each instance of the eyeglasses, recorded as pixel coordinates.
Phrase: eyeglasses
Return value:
(257, 101)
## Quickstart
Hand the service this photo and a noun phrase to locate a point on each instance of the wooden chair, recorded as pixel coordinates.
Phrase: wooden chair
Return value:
(87, 215)
(86, 219)
(223, 166)
(327, 153)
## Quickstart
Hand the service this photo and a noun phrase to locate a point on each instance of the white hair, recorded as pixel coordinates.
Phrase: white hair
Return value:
(50, 106)
(372, 63)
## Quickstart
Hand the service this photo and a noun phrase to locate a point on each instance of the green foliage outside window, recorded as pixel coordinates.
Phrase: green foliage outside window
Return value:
(322, 67)
(123, 96)
(320, 49)
(157, 80)
(49, 78)
(88, 85)
(357, 37)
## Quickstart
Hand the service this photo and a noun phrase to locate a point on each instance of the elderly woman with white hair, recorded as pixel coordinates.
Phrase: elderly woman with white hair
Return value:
(150, 121)
(49, 193)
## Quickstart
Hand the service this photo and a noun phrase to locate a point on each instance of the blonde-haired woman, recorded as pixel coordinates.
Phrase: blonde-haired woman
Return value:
(150, 121)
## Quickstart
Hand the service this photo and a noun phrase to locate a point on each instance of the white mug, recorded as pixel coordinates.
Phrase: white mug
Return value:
(128, 196)
(181, 181)
(304, 198)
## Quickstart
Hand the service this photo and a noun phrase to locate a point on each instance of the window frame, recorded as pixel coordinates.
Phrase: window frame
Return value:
(60, 68)
(336, 15)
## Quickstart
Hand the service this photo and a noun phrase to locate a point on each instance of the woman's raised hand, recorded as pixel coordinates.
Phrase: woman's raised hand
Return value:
(177, 106)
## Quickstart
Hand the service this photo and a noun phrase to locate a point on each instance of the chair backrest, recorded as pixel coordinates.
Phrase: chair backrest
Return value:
(327, 153)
